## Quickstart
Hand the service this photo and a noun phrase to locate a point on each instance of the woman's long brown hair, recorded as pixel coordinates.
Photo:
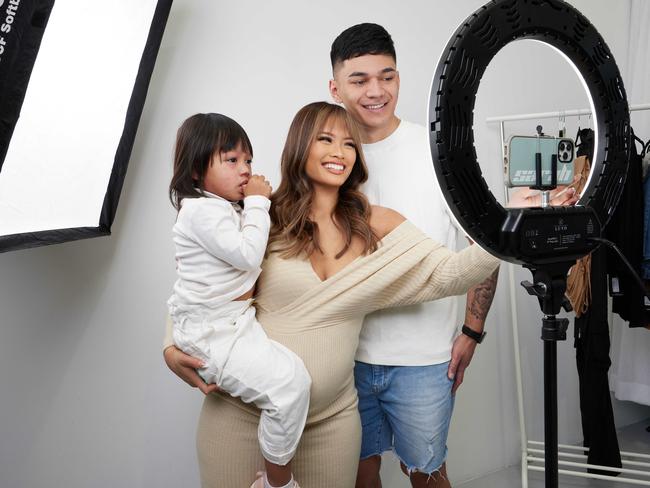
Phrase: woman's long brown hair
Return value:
(292, 232)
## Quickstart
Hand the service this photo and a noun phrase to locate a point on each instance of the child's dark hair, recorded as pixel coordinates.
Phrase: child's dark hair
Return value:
(197, 140)
(359, 40)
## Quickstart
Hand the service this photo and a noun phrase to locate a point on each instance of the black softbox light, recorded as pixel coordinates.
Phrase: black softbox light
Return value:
(73, 80)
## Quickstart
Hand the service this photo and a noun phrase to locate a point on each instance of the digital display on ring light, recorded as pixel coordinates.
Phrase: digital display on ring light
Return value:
(73, 80)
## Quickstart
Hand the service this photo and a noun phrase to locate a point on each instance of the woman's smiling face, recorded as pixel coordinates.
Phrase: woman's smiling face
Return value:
(332, 155)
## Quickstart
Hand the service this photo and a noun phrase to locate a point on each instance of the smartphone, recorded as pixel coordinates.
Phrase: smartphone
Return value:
(519, 164)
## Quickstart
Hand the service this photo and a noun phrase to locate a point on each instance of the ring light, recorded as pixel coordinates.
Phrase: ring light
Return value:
(545, 240)
(506, 232)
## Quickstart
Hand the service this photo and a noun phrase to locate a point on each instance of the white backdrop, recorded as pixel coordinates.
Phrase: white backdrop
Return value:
(86, 399)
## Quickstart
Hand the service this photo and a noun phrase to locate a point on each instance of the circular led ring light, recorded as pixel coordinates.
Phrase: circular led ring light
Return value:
(453, 95)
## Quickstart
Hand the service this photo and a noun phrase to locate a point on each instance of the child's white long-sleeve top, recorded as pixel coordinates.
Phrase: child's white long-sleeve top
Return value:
(219, 249)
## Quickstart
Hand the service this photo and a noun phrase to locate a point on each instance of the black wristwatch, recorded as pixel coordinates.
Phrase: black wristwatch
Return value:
(477, 336)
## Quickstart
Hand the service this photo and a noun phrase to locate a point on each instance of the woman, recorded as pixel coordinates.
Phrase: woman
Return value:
(332, 259)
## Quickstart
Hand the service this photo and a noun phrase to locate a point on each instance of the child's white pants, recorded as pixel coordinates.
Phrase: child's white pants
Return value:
(244, 362)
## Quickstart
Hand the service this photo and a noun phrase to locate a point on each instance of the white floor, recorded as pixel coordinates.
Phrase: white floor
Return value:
(633, 438)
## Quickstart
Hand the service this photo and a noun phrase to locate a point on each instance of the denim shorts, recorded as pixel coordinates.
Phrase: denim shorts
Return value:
(406, 409)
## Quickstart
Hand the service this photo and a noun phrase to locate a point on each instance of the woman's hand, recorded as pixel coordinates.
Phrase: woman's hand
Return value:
(525, 197)
(185, 367)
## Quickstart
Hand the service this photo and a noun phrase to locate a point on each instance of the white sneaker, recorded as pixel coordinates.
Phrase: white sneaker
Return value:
(259, 482)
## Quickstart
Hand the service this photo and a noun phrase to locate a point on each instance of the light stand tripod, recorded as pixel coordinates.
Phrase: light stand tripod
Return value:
(533, 237)
(549, 285)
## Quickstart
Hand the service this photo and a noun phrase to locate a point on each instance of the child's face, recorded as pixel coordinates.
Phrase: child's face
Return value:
(228, 173)
(331, 155)
(368, 87)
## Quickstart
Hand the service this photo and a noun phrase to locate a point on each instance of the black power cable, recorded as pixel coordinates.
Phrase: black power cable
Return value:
(634, 274)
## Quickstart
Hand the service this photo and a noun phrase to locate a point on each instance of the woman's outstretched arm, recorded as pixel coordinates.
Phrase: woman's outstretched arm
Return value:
(412, 268)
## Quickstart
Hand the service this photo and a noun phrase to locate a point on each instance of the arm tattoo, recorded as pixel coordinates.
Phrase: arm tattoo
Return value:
(480, 297)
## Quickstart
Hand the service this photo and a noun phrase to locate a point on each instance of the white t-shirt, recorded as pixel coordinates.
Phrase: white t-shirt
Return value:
(401, 177)
(219, 250)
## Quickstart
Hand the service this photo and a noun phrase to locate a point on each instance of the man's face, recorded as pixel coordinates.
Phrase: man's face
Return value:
(368, 87)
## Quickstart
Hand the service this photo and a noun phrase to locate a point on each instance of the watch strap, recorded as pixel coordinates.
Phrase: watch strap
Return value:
(477, 336)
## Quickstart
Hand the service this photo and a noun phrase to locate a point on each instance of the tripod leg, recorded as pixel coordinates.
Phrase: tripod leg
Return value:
(550, 414)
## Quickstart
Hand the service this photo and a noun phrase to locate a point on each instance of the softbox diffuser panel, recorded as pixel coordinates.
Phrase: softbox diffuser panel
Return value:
(65, 155)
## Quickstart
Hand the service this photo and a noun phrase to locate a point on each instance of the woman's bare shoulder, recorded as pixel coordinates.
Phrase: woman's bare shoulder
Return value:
(383, 220)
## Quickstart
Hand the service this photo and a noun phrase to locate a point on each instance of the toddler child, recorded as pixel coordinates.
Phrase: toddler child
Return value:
(220, 237)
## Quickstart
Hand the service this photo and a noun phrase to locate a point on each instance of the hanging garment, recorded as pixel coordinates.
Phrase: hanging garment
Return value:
(592, 359)
(625, 229)
(629, 377)
(645, 265)
(585, 143)
(578, 287)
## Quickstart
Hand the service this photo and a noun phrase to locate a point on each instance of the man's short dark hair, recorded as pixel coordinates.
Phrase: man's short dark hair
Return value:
(359, 40)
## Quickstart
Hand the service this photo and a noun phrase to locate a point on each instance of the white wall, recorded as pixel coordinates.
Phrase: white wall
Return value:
(86, 399)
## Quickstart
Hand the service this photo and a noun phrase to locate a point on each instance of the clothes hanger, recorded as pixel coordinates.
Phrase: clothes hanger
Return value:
(640, 141)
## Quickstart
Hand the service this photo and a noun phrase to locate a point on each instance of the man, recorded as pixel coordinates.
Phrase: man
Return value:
(410, 361)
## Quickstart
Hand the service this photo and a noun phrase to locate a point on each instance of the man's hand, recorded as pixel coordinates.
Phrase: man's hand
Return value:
(462, 352)
(479, 300)
(185, 367)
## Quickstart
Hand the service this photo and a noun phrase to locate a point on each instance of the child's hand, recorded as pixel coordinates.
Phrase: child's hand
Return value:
(257, 185)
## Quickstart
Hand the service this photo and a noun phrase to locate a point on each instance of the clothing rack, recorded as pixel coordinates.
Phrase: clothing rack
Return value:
(571, 457)
(553, 115)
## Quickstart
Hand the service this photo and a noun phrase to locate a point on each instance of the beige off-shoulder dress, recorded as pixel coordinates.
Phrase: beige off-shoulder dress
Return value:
(320, 321)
